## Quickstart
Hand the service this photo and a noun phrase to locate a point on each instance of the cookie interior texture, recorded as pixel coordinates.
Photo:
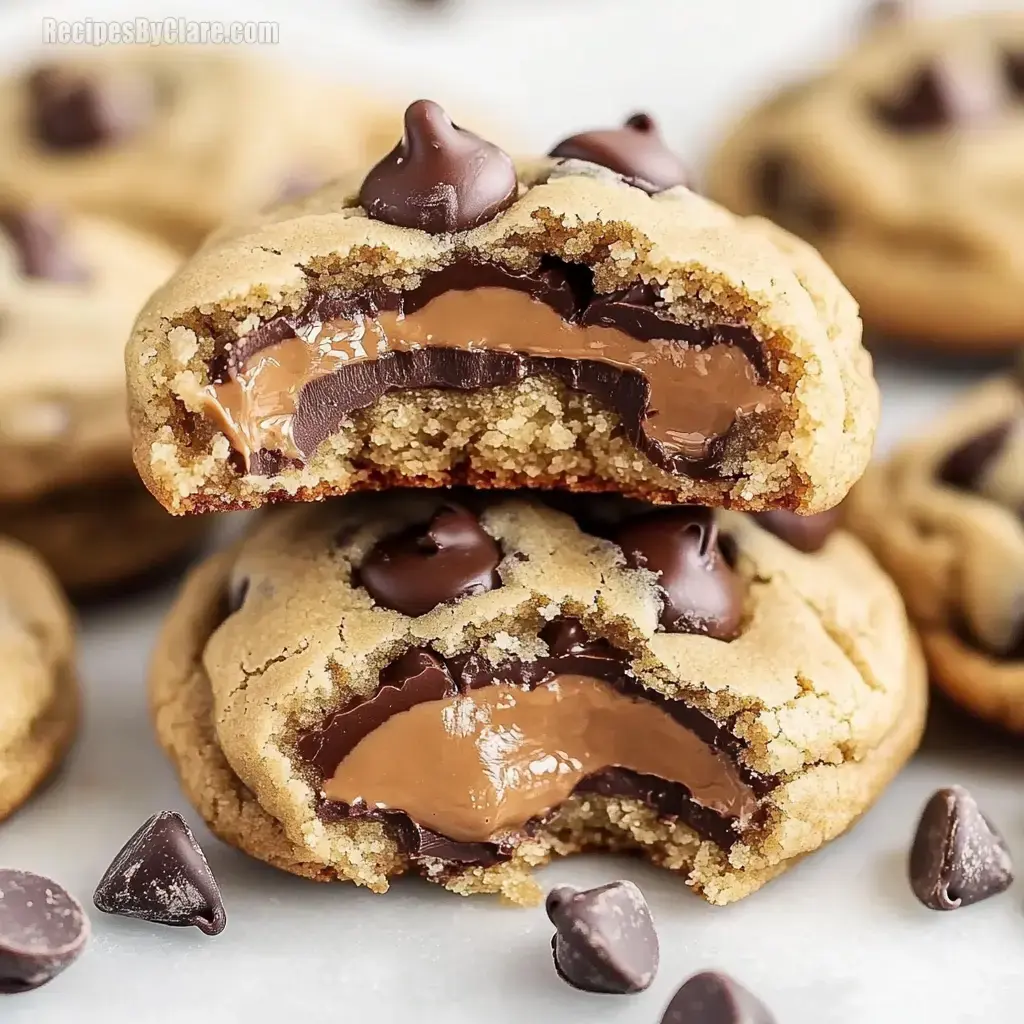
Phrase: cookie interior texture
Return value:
(943, 516)
(316, 352)
(40, 708)
(900, 165)
(276, 663)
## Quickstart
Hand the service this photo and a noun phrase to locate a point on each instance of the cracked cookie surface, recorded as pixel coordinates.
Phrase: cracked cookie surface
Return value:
(285, 668)
(900, 165)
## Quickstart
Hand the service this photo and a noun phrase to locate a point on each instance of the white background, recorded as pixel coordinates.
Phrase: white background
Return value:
(838, 939)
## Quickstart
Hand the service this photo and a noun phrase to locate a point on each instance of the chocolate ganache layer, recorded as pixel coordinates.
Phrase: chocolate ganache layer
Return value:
(462, 759)
(680, 390)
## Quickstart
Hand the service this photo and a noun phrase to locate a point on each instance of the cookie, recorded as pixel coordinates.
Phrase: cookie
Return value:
(173, 139)
(900, 165)
(40, 707)
(455, 319)
(943, 515)
(468, 684)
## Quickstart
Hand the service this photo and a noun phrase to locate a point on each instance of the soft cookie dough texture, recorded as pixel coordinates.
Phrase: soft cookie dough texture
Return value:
(40, 706)
(704, 264)
(823, 689)
(901, 165)
(943, 515)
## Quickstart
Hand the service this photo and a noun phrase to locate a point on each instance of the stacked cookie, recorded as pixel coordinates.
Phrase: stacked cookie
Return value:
(556, 628)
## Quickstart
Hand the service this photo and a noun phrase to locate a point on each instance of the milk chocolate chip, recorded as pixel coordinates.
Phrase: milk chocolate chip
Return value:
(439, 177)
(701, 593)
(636, 151)
(38, 236)
(943, 94)
(414, 571)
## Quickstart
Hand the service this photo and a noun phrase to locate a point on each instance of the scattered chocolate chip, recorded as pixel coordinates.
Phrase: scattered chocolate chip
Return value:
(714, 998)
(161, 875)
(636, 151)
(944, 93)
(786, 194)
(40, 241)
(701, 593)
(605, 939)
(449, 558)
(957, 858)
(71, 109)
(805, 533)
(964, 466)
(439, 177)
(43, 929)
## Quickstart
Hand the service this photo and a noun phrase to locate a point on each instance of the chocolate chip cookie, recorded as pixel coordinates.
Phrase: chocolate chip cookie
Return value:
(466, 684)
(457, 319)
(900, 165)
(943, 516)
(70, 286)
(39, 711)
(174, 140)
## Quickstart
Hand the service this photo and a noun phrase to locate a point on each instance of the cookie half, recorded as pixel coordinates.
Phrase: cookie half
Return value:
(943, 515)
(467, 686)
(40, 707)
(459, 320)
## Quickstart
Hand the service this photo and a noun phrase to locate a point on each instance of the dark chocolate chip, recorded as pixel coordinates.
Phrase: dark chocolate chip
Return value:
(636, 151)
(1013, 68)
(942, 94)
(964, 466)
(714, 998)
(238, 591)
(40, 241)
(958, 857)
(43, 929)
(605, 939)
(161, 875)
(449, 558)
(785, 192)
(439, 177)
(420, 669)
(701, 593)
(71, 109)
(805, 533)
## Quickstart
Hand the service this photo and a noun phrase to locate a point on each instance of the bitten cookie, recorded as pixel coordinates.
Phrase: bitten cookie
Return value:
(69, 289)
(943, 515)
(900, 164)
(458, 320)
(466, 685)
(39, 711)
(173, 139)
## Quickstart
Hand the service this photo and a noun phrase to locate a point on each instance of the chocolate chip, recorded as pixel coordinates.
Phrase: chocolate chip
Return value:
(888, 12)
(964, 466)
(957, 858)
(74, 110)
(805, 533)
(701, 593)
(605, 939)
(449, 558)
(40, 241)
(43, 929)
(944, 93)
(714, 998)
(636, 151)
(161, 875)
(785, 192)
(1013, 69)
(439, 177)
(420, 669)
(238, 591)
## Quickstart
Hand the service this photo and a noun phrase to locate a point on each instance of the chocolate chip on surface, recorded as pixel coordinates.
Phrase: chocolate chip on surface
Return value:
(449, 558)
(161, 875)
(70, 109)
(636, 151)
(965, 466)
(946, 93)
(805, 533)
(605, 939)
(957, 857)
(40, 242)
(701, 592)
(43, 929)
(440, 177)
(714, 998)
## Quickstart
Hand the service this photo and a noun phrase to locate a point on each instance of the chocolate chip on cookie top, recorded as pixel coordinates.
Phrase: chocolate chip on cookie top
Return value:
(789, 196)
(40, 242)
(805, 533)
(416, 570)
(700, 591)
(71, 109)
(966, 464)
(440, 177)
(637, 151)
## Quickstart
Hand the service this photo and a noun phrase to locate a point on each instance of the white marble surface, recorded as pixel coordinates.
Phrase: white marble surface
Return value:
(838, 939)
